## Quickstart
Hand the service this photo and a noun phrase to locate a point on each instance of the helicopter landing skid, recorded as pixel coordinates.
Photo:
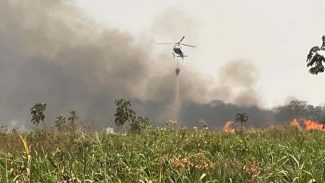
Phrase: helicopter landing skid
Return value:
(182, 57)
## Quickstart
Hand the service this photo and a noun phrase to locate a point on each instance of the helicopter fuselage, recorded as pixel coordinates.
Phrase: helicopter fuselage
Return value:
(178, 51)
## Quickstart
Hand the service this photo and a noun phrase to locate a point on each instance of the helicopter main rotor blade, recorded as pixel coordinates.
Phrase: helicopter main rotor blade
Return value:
(181, 39)
(188, 45)
(165, 43)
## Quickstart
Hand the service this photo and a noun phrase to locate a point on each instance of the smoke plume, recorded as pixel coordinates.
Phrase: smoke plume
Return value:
(51, 52)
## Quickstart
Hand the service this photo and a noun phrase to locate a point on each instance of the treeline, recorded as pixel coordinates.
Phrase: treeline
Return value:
(300, 109)
(126, 119)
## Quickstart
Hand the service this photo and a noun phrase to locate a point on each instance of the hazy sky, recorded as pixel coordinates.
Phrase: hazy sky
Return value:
(273, 35)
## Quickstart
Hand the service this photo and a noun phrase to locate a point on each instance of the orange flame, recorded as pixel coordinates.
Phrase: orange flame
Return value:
(308, 125)
(227, 127)
(311, 125)
(295, 123)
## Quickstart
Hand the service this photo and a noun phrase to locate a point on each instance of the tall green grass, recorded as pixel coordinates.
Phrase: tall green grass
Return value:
(164, 155)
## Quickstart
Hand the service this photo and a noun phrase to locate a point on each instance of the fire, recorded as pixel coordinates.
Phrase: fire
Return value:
(311, 125)
(308, 125)
(227, 127)
(295, 123)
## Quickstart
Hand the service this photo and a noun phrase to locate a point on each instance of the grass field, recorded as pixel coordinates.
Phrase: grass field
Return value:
(283, 154)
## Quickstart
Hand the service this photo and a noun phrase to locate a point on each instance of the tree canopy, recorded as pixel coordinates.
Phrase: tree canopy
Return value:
(315, 59)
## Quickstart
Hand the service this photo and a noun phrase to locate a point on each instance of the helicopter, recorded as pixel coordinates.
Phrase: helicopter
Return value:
(177, 49)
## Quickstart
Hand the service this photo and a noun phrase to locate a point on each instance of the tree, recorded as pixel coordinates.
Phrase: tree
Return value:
(139, 123)
(323, 121)
(242, 118)
(315, 59)
(124, 113)
(298, 109)
(171, 125)
(38, 113)
(60, 122)
(316, 113)
(73, 119)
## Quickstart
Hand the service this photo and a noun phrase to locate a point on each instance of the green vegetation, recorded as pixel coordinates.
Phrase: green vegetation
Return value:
(145, 154)
(73, 120)
(125, 114)
(37, 112)
(60, 123)
(315, 59)
(164, 155)
(242, 118)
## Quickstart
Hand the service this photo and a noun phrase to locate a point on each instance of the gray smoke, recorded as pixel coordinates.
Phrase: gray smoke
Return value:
(238, 79)
(174, 22)
(50, 52)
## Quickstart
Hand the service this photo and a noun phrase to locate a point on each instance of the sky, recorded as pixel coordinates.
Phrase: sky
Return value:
(82, 55)
(275, 36)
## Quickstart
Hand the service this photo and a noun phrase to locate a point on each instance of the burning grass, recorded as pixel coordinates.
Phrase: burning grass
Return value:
(304, 124)
(284, 154)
